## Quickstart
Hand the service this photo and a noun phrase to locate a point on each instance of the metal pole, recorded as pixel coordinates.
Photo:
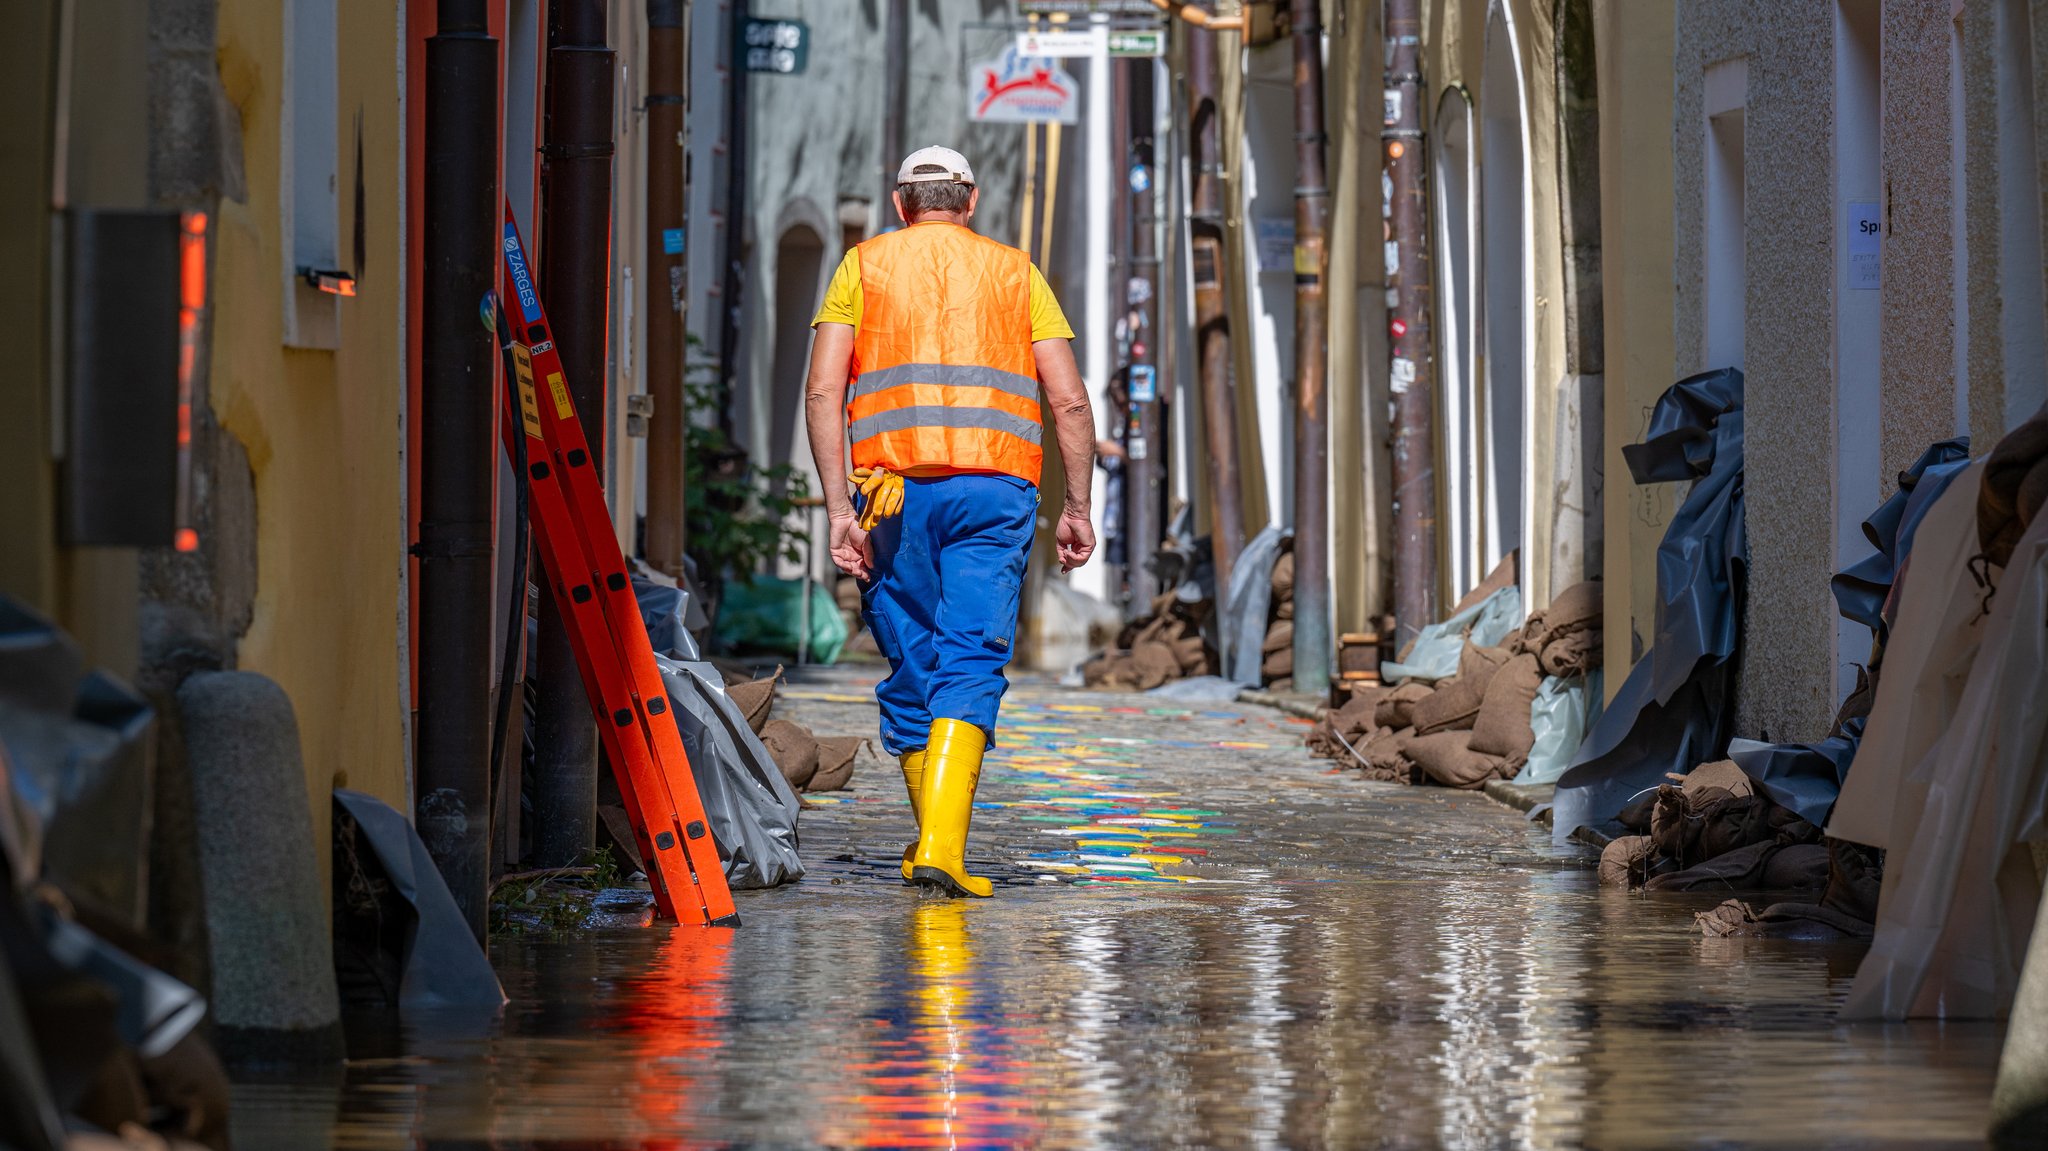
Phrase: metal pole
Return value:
(1313, 646)
(895, 107)
(1145, 441)
(667, 107)
(1412, 374)
(733, 284)
(1097, 331)
(575, 281)
(459, 455)
(1212, 318)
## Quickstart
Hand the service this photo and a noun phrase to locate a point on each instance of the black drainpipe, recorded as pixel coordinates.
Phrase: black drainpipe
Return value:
(575, 285)
(459, 460)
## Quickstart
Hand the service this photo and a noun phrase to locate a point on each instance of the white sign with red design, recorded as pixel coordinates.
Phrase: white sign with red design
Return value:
(1017, 89)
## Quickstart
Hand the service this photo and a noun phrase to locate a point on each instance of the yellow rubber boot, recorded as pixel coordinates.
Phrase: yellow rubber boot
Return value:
(913, 782)
(952, 767)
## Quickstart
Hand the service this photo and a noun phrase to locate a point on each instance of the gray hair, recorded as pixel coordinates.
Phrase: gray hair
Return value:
(933, 195)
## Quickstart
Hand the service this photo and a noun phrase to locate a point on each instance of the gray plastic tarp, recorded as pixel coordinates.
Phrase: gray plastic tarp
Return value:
(444, 966)
(1246, 605)
(1676, 710)
(750, 806)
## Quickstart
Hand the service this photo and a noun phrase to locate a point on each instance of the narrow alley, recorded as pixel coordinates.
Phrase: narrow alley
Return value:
(1200, 937)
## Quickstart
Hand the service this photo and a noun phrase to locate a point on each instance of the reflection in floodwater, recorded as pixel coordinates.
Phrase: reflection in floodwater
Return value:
(1401, 1006)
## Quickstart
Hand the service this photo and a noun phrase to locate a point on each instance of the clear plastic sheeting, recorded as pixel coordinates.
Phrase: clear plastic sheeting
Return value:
(442, 964)
(1674, 711)
(1247, 603)
(1437, 647)
(1560, 715)
(750, 806)
(1961, 886)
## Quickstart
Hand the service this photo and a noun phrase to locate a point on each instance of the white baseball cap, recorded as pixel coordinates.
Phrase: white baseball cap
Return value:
(955, 165)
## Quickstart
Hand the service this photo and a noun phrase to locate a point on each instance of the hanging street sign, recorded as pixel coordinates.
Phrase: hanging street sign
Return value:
(1058, 44)
(1018, 89)
(782, 47)
(1148, 42)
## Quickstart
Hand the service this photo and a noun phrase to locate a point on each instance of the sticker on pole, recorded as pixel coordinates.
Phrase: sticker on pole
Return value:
(529, 408)
(1144, 383)
(1018, 89)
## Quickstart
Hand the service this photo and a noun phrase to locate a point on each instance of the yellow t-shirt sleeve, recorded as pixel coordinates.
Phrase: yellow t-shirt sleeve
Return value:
(842, 303)
(1047, 321)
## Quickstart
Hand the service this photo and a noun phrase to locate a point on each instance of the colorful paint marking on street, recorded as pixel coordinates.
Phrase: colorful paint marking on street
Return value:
(1093, 794)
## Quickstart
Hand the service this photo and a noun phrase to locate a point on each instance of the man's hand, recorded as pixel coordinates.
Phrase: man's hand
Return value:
(1076, 538)
(850, 548)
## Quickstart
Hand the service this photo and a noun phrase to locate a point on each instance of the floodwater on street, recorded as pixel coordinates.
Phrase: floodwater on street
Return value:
(1200, 937)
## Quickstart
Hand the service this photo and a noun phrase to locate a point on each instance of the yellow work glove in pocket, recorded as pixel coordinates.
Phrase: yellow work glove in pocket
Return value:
(884, 492)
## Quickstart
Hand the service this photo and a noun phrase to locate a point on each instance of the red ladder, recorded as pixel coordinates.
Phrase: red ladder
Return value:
(572, 531)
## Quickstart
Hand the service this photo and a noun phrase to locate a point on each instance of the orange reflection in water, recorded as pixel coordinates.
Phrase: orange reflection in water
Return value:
(677, 1016)
(943, 1068)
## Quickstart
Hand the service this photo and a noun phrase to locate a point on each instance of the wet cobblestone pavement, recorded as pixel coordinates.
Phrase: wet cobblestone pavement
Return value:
(1200, 937)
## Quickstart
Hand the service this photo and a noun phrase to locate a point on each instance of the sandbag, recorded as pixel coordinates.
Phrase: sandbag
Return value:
(1278, 665)
(1502, 575)
(1153, 664)
(1503, 727)
(1282, 581)
(755, 698)
(2015, 482)
(1576, 608)
(1396, 708)
(1454, 705)
(1625, 861)
(794, 750)
(1193, 655)
(1447, 758)
(1279, 637)
(1386, 755)
(835, 762)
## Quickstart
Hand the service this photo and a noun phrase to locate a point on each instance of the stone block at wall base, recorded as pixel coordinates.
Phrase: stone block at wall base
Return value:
(272, 986)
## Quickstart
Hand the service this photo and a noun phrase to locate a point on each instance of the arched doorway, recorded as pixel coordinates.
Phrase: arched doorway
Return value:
(799, 257)
(1458, 407)
(1505, 314)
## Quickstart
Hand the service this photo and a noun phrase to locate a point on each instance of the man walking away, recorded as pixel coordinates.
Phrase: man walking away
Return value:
(945, 338)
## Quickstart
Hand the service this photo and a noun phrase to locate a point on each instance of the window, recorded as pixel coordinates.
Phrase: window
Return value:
(310, 182)
(1724, 237)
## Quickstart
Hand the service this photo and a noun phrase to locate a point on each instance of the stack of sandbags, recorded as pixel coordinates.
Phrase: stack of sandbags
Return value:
(806, 761)
(1425, 732)
(1165, 645)
(1711, 830)
(1565, 637)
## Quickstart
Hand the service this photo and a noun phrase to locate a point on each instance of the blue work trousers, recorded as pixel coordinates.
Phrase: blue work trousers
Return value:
(942, 601)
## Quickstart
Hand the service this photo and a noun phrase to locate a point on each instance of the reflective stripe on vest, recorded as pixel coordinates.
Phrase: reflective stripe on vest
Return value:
(945, 377)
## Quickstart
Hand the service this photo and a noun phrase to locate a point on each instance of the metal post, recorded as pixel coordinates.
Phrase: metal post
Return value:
(459, 455)
(1145, 442)
(1097, 331)
(895, 106)
(575, 282)
(1212, 318)
(1412, 374)
(732, 288)
(1313, 646)
(667, 266)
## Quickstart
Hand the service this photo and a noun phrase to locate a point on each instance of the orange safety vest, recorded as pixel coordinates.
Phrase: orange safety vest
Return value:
(944, 380)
